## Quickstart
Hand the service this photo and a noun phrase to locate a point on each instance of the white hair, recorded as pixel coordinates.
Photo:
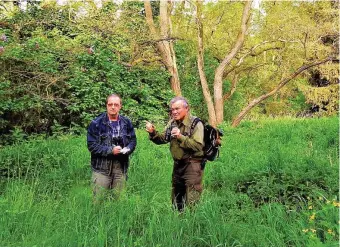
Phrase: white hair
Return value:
(178, 98)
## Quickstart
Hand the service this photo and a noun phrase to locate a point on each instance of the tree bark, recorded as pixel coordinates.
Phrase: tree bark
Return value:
(200, 65)
(164, 46)
(283, 82)
(218, 80)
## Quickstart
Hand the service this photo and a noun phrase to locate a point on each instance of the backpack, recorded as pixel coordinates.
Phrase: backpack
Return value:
(212, 139)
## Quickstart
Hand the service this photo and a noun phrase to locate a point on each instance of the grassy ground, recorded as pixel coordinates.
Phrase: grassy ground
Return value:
(275, 183)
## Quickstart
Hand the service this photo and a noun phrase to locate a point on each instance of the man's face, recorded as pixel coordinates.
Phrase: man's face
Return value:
(113, 106)
(178, 111)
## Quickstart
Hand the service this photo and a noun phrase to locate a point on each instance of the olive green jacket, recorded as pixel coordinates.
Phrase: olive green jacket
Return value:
(184, 146)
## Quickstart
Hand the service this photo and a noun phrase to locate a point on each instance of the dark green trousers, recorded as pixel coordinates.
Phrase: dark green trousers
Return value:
(186, 182)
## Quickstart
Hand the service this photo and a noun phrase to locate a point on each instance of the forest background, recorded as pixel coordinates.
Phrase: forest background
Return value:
(231, 59)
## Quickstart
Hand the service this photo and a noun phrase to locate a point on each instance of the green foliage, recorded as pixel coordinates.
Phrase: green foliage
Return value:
(96, 76)
(57, 71)
(58, 63)
(325, 99)
(276, 45)
(298, 103)
(240, 98)
(274, 184)
(188, 73)
(292, 168)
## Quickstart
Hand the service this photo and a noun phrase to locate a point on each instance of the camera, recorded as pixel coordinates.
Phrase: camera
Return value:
(117, 141)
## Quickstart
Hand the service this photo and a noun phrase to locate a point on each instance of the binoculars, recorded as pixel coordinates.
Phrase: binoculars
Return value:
(168, 131)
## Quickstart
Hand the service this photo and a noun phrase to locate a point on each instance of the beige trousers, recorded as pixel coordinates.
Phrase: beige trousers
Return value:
(105, 183)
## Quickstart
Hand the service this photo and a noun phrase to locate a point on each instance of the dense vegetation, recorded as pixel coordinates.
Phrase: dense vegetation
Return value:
(276, 181)
(274, 184)
(59, 62)
(55, 74)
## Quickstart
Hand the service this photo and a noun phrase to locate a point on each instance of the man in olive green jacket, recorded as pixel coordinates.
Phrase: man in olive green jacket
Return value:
(186, 150)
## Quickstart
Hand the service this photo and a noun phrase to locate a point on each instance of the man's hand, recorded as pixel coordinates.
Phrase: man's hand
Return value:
(149, 127)
(116, 150)
(175, 132)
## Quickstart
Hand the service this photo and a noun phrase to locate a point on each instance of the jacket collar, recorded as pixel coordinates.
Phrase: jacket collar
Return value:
(121, 118)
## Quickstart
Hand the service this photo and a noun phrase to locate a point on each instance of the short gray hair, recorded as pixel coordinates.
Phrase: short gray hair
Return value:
(114, 96)
(179, 98)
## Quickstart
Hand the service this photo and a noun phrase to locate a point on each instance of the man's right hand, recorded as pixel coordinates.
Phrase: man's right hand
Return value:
(116, 150)
(149, 127)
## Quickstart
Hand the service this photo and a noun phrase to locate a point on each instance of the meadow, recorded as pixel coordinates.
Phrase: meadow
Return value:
(276, 183)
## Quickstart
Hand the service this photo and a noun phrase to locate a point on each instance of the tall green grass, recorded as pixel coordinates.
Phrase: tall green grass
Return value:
(275, 184)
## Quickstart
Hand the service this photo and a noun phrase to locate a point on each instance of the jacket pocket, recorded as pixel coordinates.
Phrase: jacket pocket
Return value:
(105, 139)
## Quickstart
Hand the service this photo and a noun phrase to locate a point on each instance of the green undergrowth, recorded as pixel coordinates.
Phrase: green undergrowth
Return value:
(274, 184)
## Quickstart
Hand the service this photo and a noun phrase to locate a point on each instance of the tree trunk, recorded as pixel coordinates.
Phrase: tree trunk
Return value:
(218, 80)
(256, 101)
(200, 64)
(164, 46)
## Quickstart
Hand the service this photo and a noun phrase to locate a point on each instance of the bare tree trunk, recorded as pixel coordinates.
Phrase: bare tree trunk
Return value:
(164, 46)
(174, 79)
(218, 80)
(283, 82)
(166, 29)
(200, 64)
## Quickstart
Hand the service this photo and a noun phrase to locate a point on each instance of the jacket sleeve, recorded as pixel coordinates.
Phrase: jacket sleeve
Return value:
(159, 137)
(93, 142)
(133, 140)
(196, 141)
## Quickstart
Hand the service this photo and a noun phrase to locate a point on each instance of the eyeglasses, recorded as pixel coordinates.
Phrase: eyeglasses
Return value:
(111, 104)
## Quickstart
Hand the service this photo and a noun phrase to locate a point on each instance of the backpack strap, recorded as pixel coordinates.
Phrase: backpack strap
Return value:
(193, 125)
(168, 130)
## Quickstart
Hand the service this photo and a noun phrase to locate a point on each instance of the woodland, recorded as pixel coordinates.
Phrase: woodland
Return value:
(264, 72)
(232, 60)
